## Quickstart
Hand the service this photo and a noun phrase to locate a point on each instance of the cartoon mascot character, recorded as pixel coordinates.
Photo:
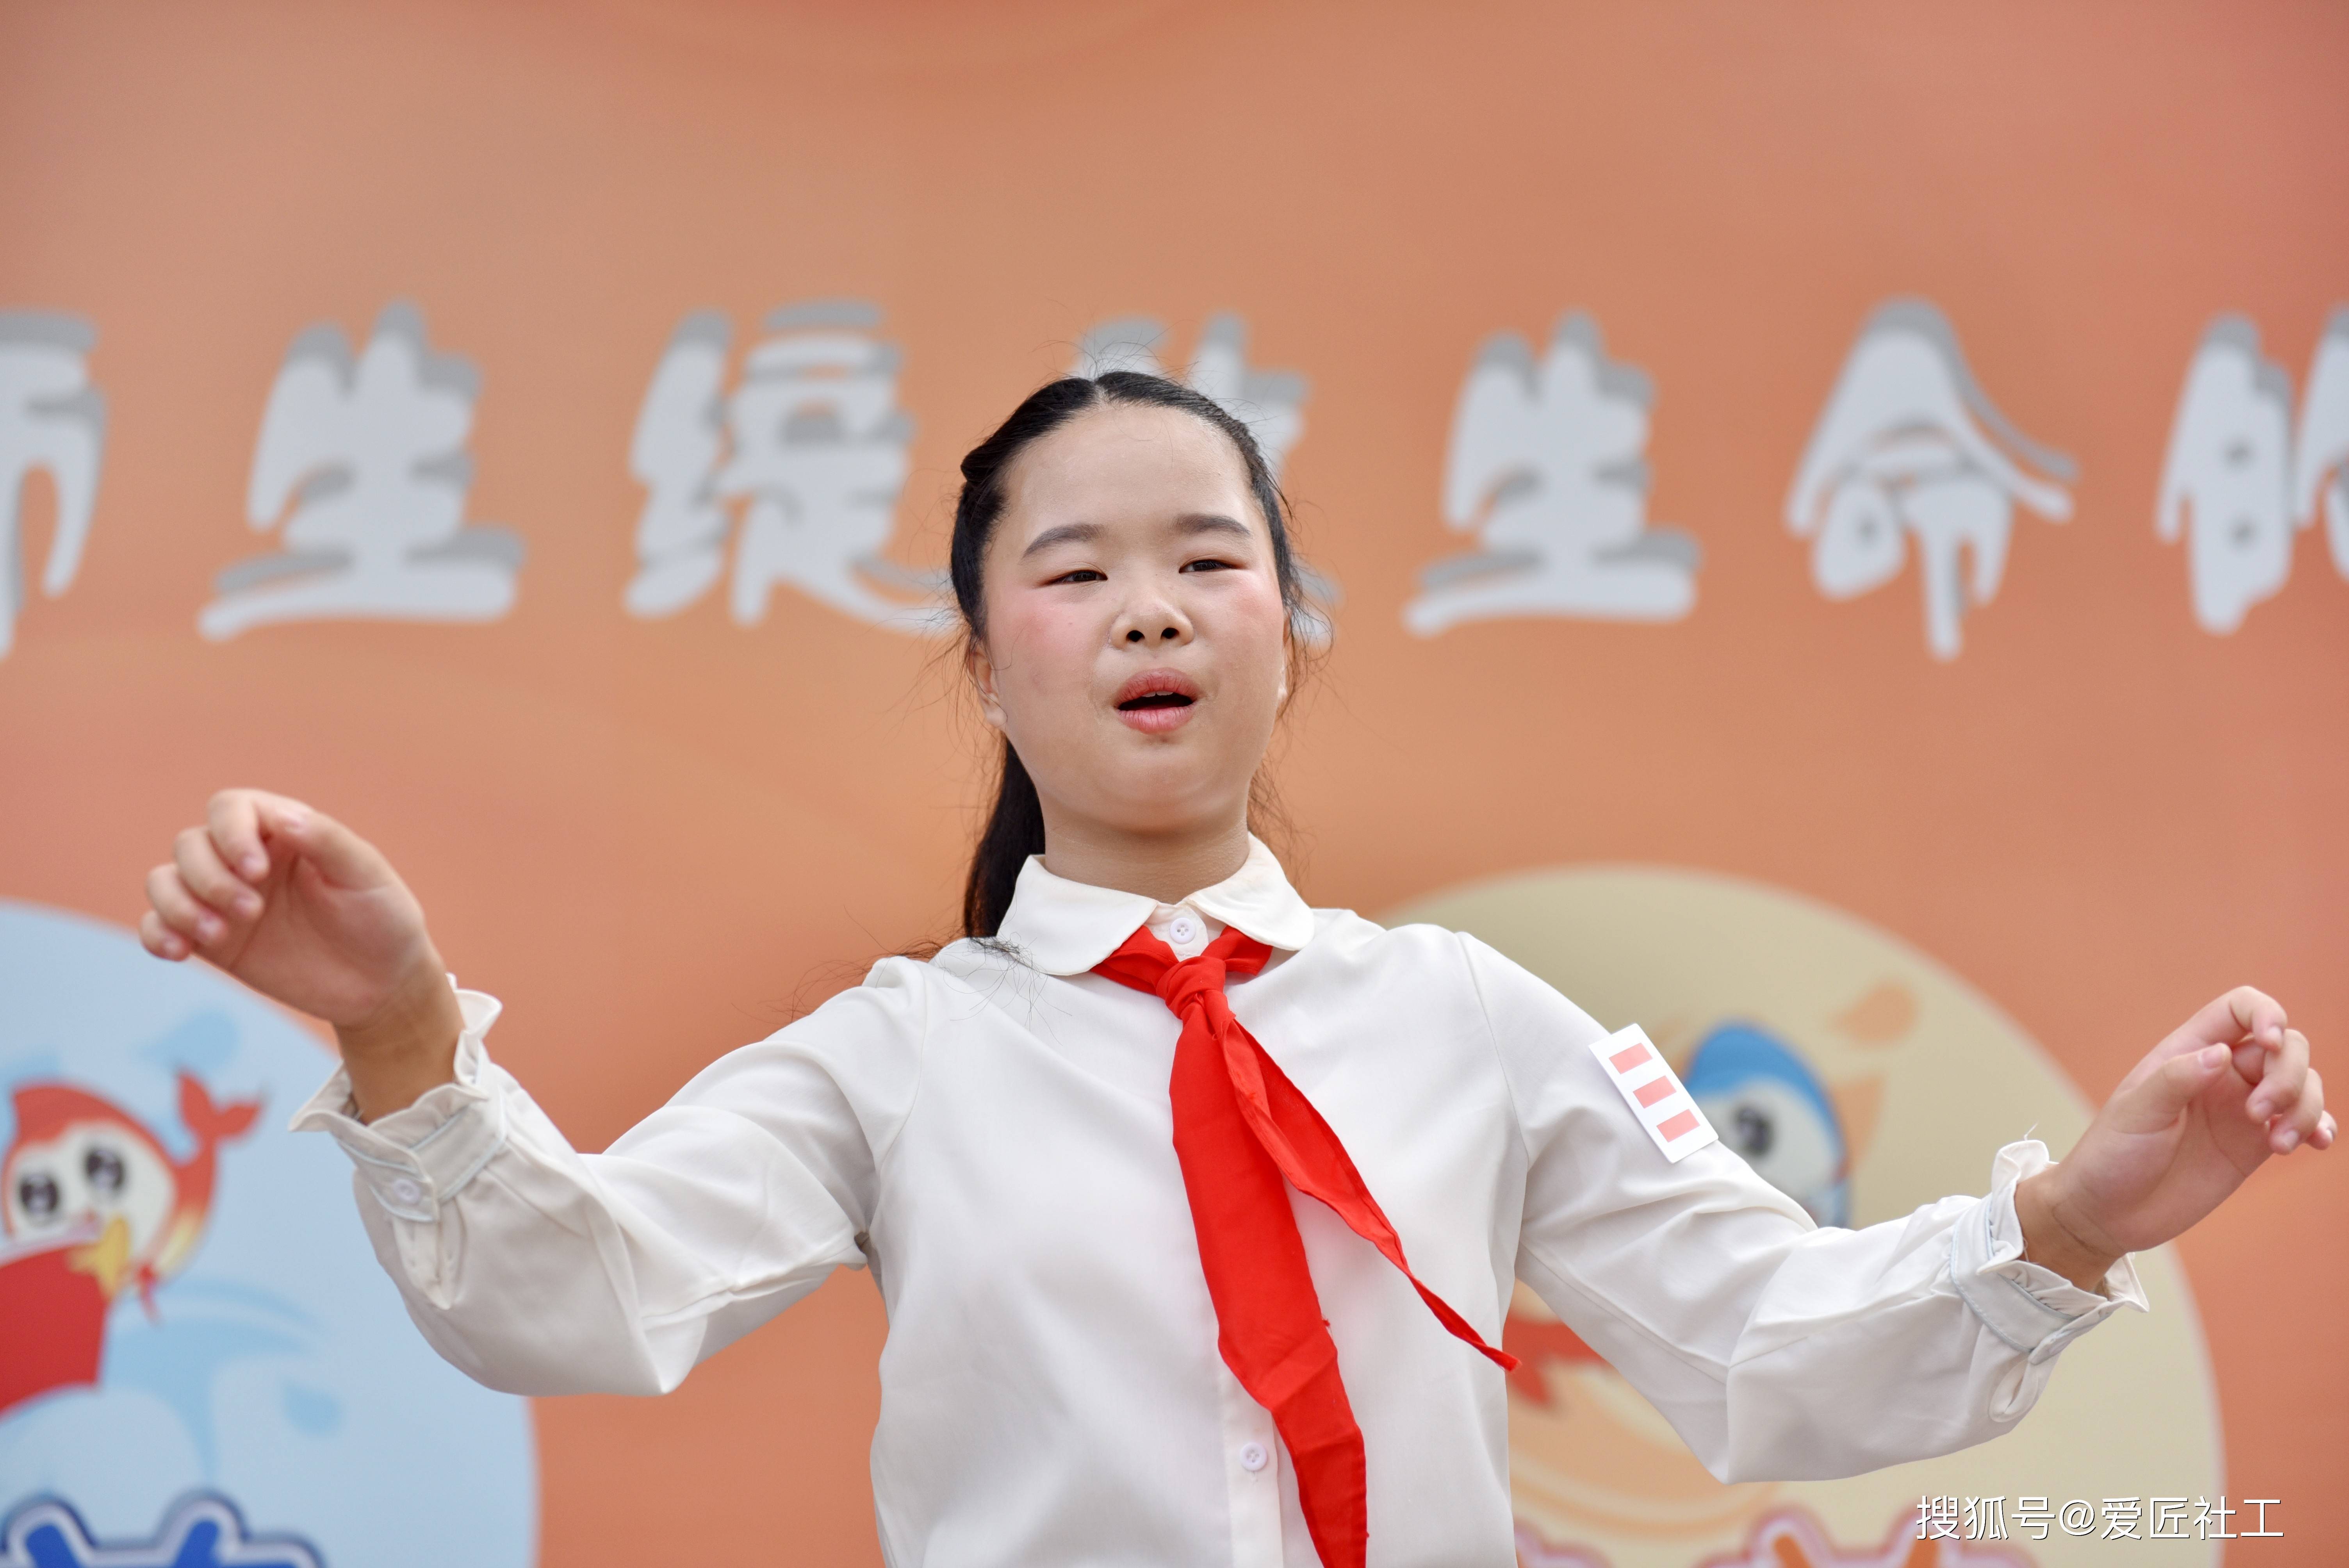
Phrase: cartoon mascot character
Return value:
(91, 1204)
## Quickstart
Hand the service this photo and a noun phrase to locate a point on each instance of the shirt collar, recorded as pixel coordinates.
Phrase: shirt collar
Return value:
(1066, 927)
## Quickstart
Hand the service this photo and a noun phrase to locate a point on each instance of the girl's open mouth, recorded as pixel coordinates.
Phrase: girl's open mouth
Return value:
(1156, 701)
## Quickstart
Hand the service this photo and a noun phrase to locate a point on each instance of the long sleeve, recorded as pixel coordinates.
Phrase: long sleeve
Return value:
(1776, 1349)
(540, 1270)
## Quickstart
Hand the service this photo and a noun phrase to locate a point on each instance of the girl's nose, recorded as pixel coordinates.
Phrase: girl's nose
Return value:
(1152, 624)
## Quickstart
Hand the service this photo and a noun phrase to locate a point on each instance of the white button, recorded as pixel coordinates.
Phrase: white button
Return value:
(1183, 931)
(1253, 1457)
(406, 1190)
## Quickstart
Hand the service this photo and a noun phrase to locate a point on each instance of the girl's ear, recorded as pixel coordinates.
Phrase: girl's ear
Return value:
(981, 670)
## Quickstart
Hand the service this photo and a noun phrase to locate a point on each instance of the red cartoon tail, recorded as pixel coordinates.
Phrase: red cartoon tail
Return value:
(211, 1123)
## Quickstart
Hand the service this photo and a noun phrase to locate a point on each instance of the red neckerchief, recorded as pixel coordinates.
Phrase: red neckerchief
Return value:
(1240, 1126)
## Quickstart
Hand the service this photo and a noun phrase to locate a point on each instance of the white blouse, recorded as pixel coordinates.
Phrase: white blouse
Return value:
(990, 1131)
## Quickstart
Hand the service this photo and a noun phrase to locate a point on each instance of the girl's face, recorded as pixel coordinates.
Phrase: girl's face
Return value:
(1136, 646)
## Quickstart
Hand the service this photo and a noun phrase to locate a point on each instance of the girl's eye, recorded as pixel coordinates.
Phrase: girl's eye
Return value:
(1207, 564)
(1082, 574)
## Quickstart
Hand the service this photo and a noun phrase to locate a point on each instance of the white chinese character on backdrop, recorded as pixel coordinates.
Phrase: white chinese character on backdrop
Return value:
(2229, 471)
(1271, 403)
(51, 420)
(1908, 445)
(1547, 468)
(810, 451)
(365, 460)
(2240, 482)
(2321, 450)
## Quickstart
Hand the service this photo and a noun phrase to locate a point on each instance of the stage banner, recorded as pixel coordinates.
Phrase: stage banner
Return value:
(1830, 526)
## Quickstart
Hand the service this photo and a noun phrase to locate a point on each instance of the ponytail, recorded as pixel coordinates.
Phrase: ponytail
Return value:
(1014, 831)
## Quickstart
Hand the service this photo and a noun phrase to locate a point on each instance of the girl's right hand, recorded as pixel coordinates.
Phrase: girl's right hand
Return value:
(305, 911)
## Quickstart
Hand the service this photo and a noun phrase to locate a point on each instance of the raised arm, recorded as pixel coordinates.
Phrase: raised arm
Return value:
(530, 1266)
(1779, 1349)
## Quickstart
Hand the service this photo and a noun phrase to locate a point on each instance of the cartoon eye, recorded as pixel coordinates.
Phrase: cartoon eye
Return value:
(1752, 1132)
(37, 1194)
(104, 1169)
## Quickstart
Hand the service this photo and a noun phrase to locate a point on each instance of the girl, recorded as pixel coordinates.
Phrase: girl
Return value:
(1195, 1211)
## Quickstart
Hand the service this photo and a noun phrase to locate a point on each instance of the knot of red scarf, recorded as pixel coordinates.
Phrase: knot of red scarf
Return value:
(1240, 1128)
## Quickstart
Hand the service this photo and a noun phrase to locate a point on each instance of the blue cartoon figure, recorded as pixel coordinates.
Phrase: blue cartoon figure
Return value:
(200, 1362)
(1769, 1107)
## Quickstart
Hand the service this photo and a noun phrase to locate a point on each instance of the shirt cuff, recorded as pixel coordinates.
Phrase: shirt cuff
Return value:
(419, 1157)
(2035, 1310)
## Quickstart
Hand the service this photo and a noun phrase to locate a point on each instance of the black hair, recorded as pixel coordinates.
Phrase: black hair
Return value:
(1015, 824)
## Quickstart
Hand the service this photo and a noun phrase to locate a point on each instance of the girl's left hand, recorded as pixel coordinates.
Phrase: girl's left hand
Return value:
(2204, 1109)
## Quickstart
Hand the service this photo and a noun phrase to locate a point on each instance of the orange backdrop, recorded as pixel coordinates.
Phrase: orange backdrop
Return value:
(654, 838)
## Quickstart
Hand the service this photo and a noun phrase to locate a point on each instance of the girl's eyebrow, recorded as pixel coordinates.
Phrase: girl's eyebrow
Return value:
(1086, 533)
(1063, 533)
(1211, 522)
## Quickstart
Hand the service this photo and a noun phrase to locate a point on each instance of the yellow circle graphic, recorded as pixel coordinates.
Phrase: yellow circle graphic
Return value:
(1864, 1079)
